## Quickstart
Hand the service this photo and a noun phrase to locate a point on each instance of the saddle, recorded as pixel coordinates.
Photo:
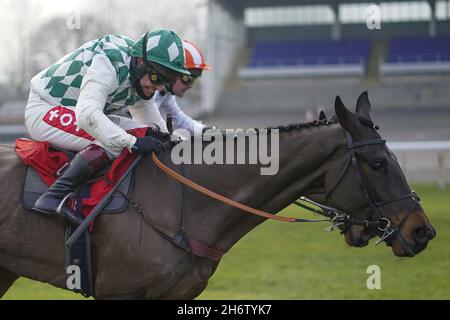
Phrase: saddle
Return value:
(80, 253)
(34, 187)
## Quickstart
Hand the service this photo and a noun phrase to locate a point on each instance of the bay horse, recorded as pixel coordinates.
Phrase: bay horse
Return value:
(343, 164)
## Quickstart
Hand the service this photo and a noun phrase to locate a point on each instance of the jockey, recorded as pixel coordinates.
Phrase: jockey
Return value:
(165, 97)
(74, 104)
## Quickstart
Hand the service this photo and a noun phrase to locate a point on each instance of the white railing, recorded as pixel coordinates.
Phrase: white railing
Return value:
(442, 149)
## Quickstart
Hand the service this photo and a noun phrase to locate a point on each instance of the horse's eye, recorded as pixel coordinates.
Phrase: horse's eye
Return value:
(379, 165)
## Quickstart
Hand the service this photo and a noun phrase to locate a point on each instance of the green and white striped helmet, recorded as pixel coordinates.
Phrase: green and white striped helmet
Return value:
(162, 46)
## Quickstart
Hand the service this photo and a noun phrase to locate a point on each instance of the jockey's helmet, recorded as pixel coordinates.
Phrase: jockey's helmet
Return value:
(194, 58)
(163, 58)
(194, 62)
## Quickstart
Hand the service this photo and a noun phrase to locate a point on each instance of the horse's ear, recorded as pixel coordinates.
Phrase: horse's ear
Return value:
(322, 116)
(346, 118)
(363, 106)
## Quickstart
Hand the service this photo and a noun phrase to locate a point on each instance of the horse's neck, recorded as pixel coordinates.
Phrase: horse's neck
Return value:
(303, 156)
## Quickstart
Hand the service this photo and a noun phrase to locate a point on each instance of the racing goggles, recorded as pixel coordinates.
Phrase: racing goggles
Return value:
(188, 79)
(158, 78)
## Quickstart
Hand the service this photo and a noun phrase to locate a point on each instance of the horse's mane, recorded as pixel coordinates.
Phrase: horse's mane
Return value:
(303, 125)
(280, 128)
(294, 126)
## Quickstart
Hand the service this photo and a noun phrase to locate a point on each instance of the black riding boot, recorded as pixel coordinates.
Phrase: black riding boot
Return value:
(83, 166)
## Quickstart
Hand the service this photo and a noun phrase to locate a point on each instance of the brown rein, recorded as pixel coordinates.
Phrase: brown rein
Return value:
(217, 196)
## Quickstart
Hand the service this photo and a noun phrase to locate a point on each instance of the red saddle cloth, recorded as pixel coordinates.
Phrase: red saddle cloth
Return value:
(46, 162)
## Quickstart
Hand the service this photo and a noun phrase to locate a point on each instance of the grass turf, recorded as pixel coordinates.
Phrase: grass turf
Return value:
(300, 261)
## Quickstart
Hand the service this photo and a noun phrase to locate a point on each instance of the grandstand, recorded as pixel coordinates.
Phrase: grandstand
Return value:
(276, 61)
(412, 55)
(308, 51)
(415, 49)
(307, 58)
(406, 55)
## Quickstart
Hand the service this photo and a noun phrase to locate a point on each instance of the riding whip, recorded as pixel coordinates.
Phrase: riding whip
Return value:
(101, 205)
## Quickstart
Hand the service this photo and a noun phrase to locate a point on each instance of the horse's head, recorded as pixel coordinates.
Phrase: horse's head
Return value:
(368, 184)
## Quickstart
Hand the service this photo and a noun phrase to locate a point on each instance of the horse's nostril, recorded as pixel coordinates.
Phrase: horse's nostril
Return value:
(424, 234)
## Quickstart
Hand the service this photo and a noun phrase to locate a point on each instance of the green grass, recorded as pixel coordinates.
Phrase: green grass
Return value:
(300, 261)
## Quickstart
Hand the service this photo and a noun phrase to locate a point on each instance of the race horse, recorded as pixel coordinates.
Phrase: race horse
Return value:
(343, 164)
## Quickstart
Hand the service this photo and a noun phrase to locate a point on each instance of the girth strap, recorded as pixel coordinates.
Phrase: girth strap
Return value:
(179, 239)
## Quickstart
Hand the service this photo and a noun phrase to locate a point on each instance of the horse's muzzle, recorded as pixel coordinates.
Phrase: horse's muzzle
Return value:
(418, 241)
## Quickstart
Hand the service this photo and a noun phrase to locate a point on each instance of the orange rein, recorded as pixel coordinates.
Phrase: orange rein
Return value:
(217, 196)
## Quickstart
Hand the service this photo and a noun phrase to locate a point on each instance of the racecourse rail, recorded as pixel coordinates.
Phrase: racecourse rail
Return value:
(8, 134)
(442, 149)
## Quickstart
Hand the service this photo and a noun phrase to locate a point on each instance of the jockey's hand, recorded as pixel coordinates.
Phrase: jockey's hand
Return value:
(146, 145)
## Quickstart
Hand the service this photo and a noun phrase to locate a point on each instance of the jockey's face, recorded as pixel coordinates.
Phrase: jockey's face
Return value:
(149, 87)
(179, 88)
(185, 82)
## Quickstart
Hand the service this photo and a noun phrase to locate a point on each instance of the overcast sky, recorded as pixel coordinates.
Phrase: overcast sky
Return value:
(127, 17)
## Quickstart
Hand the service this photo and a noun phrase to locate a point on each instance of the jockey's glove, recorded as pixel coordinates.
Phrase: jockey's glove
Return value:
(146, 145)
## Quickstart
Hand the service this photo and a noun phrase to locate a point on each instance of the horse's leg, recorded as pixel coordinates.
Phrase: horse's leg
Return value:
(6, 280)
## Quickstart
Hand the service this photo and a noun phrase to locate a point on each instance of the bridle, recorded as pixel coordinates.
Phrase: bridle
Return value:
(376, 221)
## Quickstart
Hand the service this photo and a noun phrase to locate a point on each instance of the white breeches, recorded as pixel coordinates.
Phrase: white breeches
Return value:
(58, 126)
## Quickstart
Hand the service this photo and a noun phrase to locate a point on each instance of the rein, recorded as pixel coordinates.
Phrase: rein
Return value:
(337, 218)
(223, 199)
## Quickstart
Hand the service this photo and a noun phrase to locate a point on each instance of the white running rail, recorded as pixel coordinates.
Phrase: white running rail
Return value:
(442, 148)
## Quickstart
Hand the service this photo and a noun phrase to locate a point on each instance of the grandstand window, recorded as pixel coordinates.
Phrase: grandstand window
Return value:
(353, 13)
(405, 11)
(443, 10)
(389, 11)
(348, 13)
(290, 15)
